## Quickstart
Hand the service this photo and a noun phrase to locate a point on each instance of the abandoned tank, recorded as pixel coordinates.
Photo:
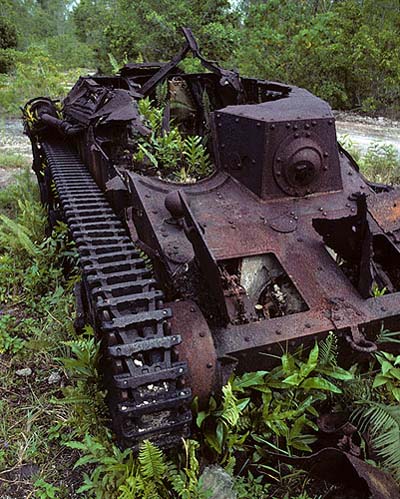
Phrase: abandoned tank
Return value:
(185, 277)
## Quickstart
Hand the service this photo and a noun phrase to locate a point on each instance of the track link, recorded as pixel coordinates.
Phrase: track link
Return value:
(146, 393)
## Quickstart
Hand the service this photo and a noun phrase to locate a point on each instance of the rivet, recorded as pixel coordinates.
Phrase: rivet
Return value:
(209, 365)
(258, 123)
(287, 125)
(236, 120)
(165, 312)
(272, 127)
(308, 134)
(347, 205)
(278, 174)
(330, 122)
(362, 186)
(147, 196)
(180, 370)
(292, 213)
(326, 154)
(253, 161)
(222, 146)
(295, 127)
(278, 159)
(219, 124)
(325, 213)
(296, 135)
(124, 408)
(353, 210)
(218, 115)
(320, 208)
(313, 123)
(247, 339)
(325, 168)
(192, 309)
(202, 334)
(277, 331)
(296, 217)
(307, 126)
(308, 325)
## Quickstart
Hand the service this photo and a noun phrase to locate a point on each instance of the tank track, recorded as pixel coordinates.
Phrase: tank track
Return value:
(144, 379)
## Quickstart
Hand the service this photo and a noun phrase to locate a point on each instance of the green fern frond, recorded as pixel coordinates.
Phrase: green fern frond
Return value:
(328, 350)
(383, 423)
(230, 411)
(152, 462)
(22, 235)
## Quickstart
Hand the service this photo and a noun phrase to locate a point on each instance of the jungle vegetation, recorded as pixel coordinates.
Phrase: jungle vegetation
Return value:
(345, 51)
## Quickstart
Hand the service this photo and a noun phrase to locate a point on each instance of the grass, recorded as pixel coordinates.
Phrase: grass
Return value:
(10, 160)
(380, 163)
(34, 320)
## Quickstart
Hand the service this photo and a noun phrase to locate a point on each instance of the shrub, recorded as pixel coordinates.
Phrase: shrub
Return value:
(36, 74)
(8, 34)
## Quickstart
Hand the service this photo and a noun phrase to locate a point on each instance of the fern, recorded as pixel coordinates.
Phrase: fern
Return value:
(230, 411)
(152, 462)
(86, 353)
(19, 237)
(383, 423)
(328, 350)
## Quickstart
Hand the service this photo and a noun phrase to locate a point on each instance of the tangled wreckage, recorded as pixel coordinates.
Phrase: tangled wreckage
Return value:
(283, 242)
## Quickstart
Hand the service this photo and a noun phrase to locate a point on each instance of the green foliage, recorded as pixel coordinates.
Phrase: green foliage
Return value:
(251, 486)
(8, 34)
(13, 160)
(381, 163)
(383, 424)
(9, 342)
(389, 377)
(169, 154)
(151, 475)
(35, 74)
(348, 49)
(44, 490)
(275, 408)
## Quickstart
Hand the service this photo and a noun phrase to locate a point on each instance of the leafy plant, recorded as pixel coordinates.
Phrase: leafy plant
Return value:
(274, 407)
(389, 377)
(45, 490)
(118, 474)
(9, 343)
(169, 154)
(382, 422)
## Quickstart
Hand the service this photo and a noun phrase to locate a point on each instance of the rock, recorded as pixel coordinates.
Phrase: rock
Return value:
(24, 373)
(54, 378)
(217, 481)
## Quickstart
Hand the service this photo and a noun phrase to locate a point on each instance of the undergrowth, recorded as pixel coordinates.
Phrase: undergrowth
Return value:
(170, 154)
(54, 438)
(380, 163)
